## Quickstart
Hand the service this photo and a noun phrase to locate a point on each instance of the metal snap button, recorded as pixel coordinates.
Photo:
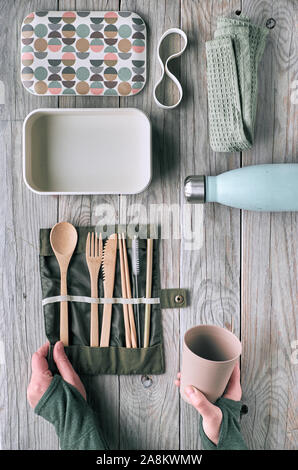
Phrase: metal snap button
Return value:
(146, 381)
(179, 299)
(270, 23)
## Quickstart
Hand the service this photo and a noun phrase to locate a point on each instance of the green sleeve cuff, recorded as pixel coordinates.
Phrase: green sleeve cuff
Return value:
(230, 437)
(47, 396)
(74, 421)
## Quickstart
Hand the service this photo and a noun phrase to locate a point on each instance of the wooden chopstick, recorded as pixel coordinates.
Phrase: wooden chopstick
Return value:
(148, 291)
(133, 332)
(124, 295)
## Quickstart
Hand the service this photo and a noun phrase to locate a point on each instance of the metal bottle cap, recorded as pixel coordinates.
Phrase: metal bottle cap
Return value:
(194, 189)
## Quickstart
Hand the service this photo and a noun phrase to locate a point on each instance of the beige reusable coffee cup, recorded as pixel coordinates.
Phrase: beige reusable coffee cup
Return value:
(208, 359)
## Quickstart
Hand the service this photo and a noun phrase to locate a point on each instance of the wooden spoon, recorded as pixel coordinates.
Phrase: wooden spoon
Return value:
(63, 238)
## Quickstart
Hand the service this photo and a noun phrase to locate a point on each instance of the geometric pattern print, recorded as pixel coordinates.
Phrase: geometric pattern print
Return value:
(100, 53)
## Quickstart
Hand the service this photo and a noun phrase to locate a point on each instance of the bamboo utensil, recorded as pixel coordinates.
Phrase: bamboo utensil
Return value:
(109, 267)
(94, 259)
(124, 295)
(63, 239)
(148, 291)
(133, 333)
(136, 272)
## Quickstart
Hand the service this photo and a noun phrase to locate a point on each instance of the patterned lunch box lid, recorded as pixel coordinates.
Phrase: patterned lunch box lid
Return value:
(101, 53)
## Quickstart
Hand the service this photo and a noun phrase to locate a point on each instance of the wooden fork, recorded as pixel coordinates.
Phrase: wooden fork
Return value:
(94, 259)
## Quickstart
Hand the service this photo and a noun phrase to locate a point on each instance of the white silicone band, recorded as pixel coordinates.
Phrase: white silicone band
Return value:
(92, 300)
(165, 69)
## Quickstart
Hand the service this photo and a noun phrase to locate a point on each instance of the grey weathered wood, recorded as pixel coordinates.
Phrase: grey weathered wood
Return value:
(148, 414)
(269, 241)
(245, 268)
(22, 327)
(22, 214)
(18, 101)
(82, 210)
(211, 272)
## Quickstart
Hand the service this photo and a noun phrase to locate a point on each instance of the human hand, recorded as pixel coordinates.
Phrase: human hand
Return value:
(212, 414)
(42, 377)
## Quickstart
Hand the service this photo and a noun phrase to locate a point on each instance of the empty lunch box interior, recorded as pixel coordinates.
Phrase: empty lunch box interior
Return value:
(102, 151)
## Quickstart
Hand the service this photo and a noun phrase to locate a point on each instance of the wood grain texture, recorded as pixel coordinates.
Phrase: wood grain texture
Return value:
(85, 210)
(213, 271)
(21, 307)
(18, 101)
(147, 414)
(269, 243)
(244, 265)
(22, 326)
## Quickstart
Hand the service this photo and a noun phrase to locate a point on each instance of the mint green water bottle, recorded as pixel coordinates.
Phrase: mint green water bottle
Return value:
(272, 187)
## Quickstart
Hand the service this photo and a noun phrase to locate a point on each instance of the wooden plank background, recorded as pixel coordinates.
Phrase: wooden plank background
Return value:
(245, 264)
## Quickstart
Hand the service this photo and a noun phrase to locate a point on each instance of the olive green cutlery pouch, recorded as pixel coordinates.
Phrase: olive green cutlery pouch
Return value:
(115, 359)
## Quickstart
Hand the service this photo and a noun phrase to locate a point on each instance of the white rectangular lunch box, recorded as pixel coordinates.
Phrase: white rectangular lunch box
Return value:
(87, 151)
